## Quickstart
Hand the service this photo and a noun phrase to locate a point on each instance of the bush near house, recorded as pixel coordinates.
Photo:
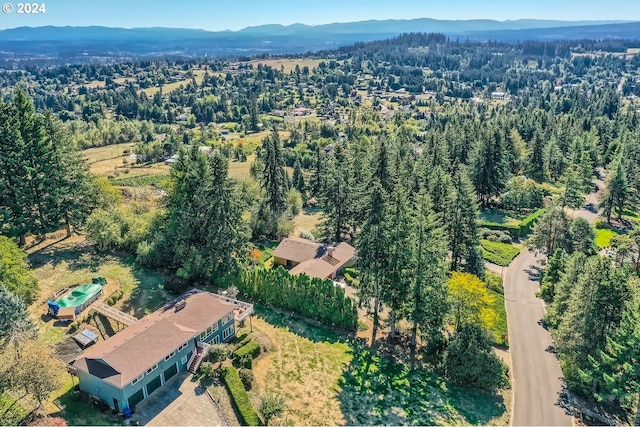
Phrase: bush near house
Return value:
(248, 415)
(251, 348)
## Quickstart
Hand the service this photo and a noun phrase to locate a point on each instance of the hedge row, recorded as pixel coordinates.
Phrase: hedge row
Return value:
(525, 225)
(248, 415)
(251, 348)
(315, 298)
(498, 253)
(516, 230)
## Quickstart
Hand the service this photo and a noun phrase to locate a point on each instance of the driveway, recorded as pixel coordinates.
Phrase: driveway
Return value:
(180, 402)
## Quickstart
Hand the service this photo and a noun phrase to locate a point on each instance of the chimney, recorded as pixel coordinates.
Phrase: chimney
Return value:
(180, 305)
(330, 251)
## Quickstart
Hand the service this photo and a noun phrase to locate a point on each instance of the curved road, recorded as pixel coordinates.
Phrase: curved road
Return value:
(536, 373)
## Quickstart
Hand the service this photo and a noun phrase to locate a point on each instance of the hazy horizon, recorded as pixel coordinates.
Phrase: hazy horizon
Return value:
(221, 15)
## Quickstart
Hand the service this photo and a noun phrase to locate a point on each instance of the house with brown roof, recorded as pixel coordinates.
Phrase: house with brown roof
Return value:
(314, 259)
(128, 367)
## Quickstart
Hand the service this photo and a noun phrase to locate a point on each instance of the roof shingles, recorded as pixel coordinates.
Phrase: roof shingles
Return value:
(137, 348)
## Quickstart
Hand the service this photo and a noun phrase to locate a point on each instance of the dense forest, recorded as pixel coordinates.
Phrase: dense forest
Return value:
(412, 149)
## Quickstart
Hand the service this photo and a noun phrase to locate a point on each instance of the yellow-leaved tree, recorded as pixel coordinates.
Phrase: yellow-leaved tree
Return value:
(470, 301)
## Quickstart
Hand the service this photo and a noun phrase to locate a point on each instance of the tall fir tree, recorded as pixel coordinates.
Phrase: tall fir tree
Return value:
(274, 179)
(427, 308)
(536, 158)
(616, 193)
(372, 243)
(461, 217)
(489, 166)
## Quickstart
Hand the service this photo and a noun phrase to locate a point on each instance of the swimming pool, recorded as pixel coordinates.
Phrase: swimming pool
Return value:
(80, 295)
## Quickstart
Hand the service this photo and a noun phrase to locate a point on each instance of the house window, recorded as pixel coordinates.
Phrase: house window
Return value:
(210, 330)
(216, 340)
(227, 318)
(183, 360)
(170, 355)
(183, 346)
(227, 332)
(153, 368)
(137, 379)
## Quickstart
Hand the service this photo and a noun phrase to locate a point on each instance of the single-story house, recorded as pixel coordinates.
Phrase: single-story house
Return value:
(171, 160)
(128, 367)
(314, 259)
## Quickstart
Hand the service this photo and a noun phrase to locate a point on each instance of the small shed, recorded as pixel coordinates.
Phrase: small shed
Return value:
(85, 337)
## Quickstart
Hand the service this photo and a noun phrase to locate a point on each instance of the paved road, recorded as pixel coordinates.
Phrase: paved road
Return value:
(537, 377)
(536, 372)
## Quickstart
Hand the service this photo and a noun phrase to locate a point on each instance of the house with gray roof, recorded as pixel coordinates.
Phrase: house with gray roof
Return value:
(129, 366)
(321, 260)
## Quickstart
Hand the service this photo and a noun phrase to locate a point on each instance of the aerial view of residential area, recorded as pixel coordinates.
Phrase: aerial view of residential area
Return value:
(344, 212)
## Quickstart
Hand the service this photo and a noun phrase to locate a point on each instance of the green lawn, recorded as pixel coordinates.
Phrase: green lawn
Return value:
(497, 292)
(499, 253)
(604, 236)
(501, 217)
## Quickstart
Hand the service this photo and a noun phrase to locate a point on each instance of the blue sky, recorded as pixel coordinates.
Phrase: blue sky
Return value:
(237, 14)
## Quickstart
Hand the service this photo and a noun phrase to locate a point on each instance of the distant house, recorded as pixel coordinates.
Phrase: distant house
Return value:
(128, 367)
(314, 259)
(302, 111)
(171, 160)
(498, 95)
(182, 117)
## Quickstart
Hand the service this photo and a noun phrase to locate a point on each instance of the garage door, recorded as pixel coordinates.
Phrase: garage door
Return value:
(170, 372)
(153, 385)
(136, 398)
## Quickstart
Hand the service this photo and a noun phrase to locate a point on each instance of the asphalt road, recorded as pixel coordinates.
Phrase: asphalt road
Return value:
(537, 377)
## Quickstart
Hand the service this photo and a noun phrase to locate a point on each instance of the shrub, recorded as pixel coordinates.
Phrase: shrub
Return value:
(351, 271)
(251, 348)
(219, 352)
(247, 362)
(513, 230)
(246, 376)
(307, 235)
(239, 396)
(115, 297)
(207, 369)
(271, 405)
(599, 223)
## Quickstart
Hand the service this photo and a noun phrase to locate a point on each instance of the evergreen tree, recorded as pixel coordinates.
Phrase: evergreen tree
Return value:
(552, 274)
(616, 193)
(298, 177)
(593, 313)
(536, 162)
(461, 222)
(615, 371)
(335, 199)
(15, 321)
(373, 245)
(427, 306)
(489, 166)
(398, 276)
(274, 178)
(572, 196)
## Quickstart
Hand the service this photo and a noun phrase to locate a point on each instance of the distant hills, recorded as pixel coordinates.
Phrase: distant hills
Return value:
(70, 44)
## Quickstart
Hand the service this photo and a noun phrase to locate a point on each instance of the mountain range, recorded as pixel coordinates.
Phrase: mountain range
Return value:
(68, 44)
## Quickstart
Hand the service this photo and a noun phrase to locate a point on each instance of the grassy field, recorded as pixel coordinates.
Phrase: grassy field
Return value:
(328, 379)
(307, 220)
(499, 253)
(67, 262)
(604, 236)
(110, 161)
